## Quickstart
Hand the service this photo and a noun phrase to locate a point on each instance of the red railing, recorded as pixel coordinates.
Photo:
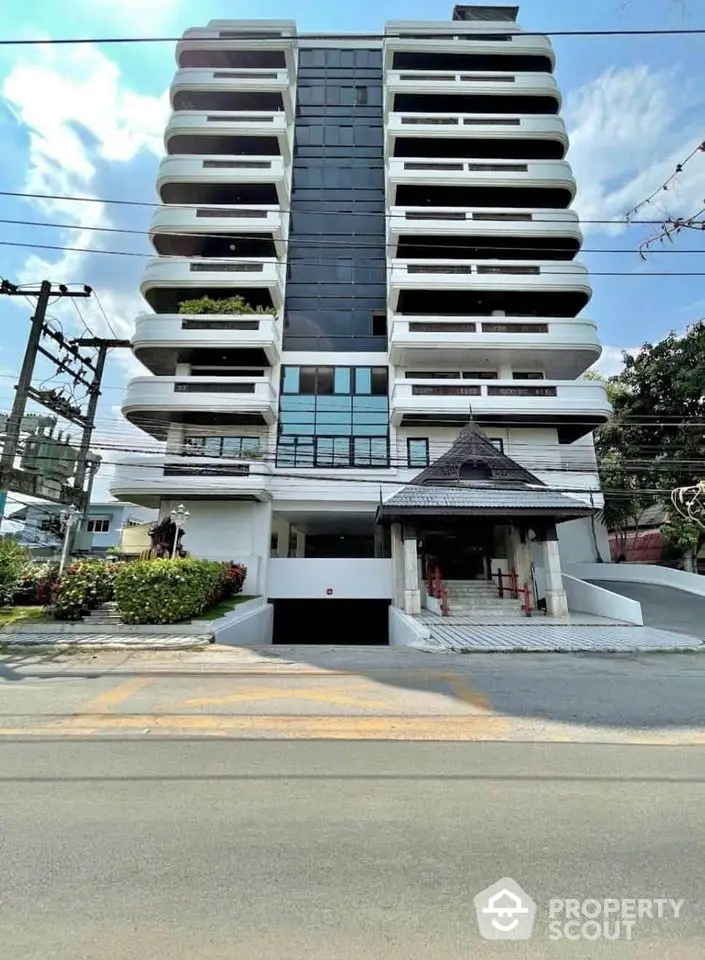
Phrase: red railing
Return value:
(508, 583)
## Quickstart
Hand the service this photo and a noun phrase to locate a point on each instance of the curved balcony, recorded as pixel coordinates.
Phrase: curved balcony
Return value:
(195, 131)
(161, 341)
(407, 85)
(239, 83)
(476, 135)
(506, 278)
(563, 349)
(472, 44)
(492, 183)
(573, 408)
(168, 281)
(152, 403)
(222, 180)
(184, 226)
(521, 233)
(147, 480)
(244, 43)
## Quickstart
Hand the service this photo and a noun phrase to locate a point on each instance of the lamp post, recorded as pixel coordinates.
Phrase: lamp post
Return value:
(179, 517)
(68, 518)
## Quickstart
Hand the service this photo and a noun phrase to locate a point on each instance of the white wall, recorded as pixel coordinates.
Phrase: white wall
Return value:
(348, 579)
(405, 631)
(576, 542)
(587, 598)
(251, 626)
(229, 530)
(639, 573)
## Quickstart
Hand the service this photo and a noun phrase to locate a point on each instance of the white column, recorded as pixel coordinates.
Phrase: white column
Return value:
(398, 564)
(521, 558)
(412, 594)
(556, 599)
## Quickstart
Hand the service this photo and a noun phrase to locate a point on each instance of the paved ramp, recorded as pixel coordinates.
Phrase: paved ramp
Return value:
(663, 607)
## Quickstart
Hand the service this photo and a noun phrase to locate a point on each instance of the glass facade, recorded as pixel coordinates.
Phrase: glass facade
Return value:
(336, 289)
(211, 446)
(333, 417)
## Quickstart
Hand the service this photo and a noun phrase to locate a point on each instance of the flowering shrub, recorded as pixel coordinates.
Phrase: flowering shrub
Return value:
(35, 582)
(235, 574)
(167, 591)
(82, 587)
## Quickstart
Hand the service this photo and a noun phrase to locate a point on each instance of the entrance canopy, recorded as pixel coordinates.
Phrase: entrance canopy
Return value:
(473, 478)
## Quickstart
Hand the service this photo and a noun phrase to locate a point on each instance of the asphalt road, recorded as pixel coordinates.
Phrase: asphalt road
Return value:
(663, 607)
(116, 849)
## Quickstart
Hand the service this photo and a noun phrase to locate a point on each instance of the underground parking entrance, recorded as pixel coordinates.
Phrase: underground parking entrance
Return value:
(330, 621)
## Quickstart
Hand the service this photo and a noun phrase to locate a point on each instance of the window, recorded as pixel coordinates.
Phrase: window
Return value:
(361, 96)
(479, 374)
(497, 442)
(417, 451)
(339, 417)
(98, 525)
(379, 324)
(527, 375)
(221, 446)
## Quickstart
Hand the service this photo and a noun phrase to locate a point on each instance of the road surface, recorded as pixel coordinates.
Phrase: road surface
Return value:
(663, 607)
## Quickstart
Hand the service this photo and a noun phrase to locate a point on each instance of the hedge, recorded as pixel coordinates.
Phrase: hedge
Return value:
(83, 586)
(167, 591)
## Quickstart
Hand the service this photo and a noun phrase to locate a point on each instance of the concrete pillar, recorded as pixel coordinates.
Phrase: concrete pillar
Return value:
(556, 599)
(520, 556)
(412, 594)
(398, 564)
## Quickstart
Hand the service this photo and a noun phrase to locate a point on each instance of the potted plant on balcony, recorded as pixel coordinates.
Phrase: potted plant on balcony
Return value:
(222, 305)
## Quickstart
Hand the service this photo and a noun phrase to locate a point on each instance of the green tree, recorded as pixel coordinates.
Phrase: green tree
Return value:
(13, 557)
(655, 439)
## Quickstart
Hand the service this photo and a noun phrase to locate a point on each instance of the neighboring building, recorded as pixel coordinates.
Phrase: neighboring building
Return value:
(105, 523)
(404, 206)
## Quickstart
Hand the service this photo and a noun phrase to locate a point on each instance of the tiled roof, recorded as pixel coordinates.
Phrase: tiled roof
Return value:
(479, 498)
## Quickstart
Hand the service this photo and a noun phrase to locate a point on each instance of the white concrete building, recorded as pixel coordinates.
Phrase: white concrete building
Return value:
(397, 216)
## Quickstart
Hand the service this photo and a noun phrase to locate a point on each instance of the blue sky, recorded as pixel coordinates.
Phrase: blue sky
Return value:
(87, 120)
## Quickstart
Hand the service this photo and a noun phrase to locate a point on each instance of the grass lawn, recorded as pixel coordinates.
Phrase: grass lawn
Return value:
(10, 615)
(225, 606)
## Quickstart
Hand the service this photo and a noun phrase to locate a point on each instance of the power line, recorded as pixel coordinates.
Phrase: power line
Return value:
(418, 240)
(680, 167)
(302, 39)
(348, 213)
(149, 256)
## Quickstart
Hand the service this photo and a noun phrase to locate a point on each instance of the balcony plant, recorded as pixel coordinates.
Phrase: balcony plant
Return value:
(222, 305)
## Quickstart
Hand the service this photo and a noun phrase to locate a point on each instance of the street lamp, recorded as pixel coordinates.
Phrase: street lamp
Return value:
(68, 518)
(179, 517)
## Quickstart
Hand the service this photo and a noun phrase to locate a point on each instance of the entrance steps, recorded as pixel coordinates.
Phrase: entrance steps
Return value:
(472, 597)
(105, 614)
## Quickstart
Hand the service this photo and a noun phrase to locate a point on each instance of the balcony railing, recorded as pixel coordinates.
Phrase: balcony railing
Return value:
(474, 126)
(485, 83)
(505, 276)
(154, 402)
(162, 476)
(209, 221)
(177, 176)
(182, 273)
(434, 37)
(159, 339)
(240, 80)
(583, 403)
(194, 124)
(564, 349)
(550, 174)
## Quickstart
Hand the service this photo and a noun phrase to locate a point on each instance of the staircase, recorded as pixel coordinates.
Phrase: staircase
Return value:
(473, 598)
(104, 615)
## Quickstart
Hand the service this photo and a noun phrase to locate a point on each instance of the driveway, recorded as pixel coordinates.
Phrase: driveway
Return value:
(663, 607)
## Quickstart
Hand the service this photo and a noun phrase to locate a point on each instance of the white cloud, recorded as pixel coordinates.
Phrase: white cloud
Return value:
(611, 361)
(628, 130)
(144, 15)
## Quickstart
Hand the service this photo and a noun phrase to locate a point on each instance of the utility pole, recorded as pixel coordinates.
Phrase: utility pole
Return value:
(69, 518)
(24, 384)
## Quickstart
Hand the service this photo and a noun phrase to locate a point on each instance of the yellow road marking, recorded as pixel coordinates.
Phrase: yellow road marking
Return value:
(117, 695)
(281, 694)
(284, 727)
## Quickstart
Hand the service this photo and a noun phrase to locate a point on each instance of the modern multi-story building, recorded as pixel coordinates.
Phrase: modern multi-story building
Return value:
(396, 215)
